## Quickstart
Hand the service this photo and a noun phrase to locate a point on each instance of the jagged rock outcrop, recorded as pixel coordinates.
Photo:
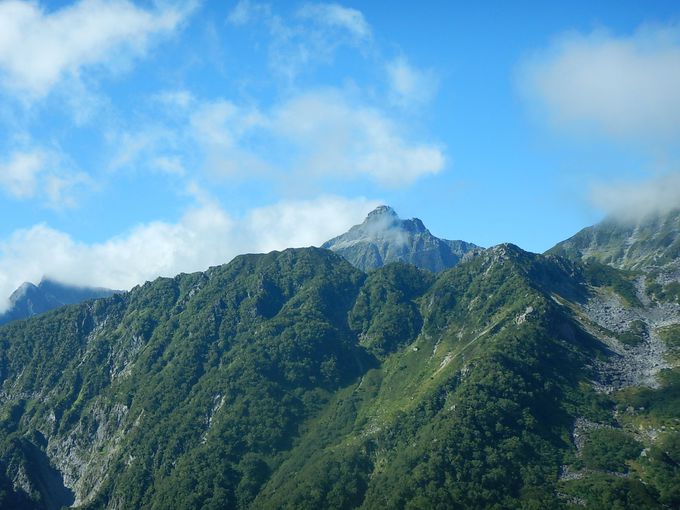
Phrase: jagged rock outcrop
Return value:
(383, 237)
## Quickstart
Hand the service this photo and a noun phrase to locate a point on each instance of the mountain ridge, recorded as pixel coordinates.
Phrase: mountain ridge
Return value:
(295, 380)
(651, 241)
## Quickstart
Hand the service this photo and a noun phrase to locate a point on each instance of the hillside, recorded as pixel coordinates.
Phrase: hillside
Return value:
(653, 241)
(383, 238)
(293, 380)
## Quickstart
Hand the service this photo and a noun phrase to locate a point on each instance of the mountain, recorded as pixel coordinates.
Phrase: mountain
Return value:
(294, 380)
(648, 248)
(651, 242)
(383, 238)
(29, 299)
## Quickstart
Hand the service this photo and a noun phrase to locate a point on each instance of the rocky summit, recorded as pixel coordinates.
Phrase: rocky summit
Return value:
(383, 237)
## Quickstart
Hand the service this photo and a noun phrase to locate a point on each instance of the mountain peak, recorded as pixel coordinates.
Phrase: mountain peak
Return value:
(387, 220)
(383, 238)
(30, 299)
(382, 211)
(652, 242)
(21, 292)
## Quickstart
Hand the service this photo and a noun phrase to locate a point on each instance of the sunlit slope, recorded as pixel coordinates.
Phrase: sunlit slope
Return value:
(293, 380)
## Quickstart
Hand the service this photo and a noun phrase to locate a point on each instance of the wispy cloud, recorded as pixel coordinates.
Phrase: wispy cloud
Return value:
(42, 175)
(312, 35)
(312, 136)
(206, 235)
(308, 137)
(19, 174)
(40, 48)
(335, 136)
(631, 201)
(335, 16)
(410, 87)
(625, 86)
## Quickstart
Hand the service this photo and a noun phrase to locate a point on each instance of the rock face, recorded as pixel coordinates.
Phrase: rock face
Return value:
(384, 237)
(653, 241)
(29, 299)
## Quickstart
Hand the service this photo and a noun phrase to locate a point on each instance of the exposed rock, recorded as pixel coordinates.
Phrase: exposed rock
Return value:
(383, 238)
(628, 365)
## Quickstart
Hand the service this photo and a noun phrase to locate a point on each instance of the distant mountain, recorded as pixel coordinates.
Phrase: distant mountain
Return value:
(383, 238)
(649, 243)
(29, 299)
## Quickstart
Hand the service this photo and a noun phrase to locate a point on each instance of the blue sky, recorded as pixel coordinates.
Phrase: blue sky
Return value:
(145, 139)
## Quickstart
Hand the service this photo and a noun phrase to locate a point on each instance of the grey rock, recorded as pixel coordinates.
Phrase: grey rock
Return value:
(384, 237)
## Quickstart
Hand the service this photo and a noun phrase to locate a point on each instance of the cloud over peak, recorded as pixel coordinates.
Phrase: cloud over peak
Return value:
(632, 201)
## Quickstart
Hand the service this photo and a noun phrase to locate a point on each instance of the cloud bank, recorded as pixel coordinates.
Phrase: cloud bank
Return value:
(39, 48)
(625, 86)
(206, 235)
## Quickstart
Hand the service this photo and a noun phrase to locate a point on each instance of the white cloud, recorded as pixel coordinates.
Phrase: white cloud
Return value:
(168, 165)
(206, 235)
(311, 136)
(224, 130)
(246, 11)
(178, 99)
(39, 48)
(42, 175)
(410, 86)
(625, 86)
(311, 36)
(338, 138)
(304, 223)
(18, 176)
(632, 201)
(59, 188)
(337, 16)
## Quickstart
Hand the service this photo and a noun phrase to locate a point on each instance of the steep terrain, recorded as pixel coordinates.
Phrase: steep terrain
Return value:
(635, 311)
(383, 238)
(294, 380)
(29, 299)
(653, 241)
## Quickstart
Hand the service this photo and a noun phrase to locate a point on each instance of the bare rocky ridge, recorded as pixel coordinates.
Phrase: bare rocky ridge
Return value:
(384, 237)
(628, 365)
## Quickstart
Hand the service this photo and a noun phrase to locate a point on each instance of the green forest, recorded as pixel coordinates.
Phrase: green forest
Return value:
(294, 380)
